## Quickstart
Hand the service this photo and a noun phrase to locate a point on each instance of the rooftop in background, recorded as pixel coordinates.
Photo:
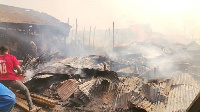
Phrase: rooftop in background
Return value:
(10, 14)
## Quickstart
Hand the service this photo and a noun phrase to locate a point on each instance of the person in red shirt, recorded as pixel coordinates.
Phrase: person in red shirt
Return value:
(10, 78)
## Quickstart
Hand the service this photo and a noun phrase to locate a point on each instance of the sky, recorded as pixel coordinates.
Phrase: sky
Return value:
(171, 17)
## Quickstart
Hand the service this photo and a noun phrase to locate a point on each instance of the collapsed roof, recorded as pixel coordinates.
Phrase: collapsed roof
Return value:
(104, 90)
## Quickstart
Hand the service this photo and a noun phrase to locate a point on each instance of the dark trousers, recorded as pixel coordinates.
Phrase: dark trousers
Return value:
(18, 85)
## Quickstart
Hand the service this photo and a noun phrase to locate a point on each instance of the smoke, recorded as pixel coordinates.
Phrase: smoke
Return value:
(158, 53)
(148, 50)
(28, 75)
(169, 61)
(137, 39)
(159, 49)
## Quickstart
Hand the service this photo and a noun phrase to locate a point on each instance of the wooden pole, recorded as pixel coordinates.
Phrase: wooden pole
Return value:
(113, 36)
(76, 31)
(94, 35)
(89, 35)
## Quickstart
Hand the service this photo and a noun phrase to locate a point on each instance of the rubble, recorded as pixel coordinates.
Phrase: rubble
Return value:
(97, 88)
(156, 76)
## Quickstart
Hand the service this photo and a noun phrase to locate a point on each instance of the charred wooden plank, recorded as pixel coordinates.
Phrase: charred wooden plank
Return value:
(40, 100)
(20, 103)
(24, 105)
(43, 102)
(44, 98)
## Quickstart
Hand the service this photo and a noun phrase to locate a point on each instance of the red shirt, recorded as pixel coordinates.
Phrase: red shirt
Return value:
(7, 64)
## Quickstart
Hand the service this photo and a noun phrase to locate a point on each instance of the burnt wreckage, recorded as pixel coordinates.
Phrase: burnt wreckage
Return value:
(100, 82)
(28, 32)
(106, 83)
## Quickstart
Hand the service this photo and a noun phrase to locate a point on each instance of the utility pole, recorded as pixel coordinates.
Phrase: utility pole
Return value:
(113, 36)
(94, 35)
(89, 35)
(76, 31)
(72, 31)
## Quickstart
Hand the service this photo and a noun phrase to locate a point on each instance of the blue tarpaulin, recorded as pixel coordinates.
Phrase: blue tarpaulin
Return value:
(7, 99)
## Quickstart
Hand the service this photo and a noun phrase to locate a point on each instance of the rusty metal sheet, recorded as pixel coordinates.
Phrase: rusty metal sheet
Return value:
(67, 88)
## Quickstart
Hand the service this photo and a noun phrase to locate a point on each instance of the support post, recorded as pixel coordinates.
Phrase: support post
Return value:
(113, 36)
(89, 35)
(94, 35)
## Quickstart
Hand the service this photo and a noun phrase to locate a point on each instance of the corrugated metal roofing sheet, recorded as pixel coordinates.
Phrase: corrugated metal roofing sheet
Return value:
(184, 90)
(86, 87)
(67, 89)
(153, 98)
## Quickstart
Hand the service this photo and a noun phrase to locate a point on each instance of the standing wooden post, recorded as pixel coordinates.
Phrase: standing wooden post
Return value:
(76, 32)
(89, 35)
(94, 35)
(113, 36)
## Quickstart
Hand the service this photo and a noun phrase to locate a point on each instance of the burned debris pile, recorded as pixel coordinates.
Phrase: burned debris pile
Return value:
(104, 83)
(150, 76)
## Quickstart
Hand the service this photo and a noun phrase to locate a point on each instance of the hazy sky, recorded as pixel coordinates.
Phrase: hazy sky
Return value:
(166, 16)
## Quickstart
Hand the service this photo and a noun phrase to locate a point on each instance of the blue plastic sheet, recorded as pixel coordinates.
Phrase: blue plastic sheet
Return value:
(7, 99)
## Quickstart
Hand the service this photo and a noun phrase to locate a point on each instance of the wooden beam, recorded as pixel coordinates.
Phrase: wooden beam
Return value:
(39, 100)
(194, 106)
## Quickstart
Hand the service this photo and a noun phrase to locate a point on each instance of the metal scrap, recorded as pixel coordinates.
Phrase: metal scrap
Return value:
(66, 88)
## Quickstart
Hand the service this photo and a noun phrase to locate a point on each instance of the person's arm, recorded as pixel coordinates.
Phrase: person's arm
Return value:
(19, 70)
